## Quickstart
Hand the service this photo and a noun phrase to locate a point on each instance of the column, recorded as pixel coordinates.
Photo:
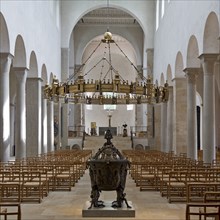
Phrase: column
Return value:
(64, 107)
(157, 127)
(5, 59)
(208, 61)
(20, 115)
(191, 75)
(33, 116)
(77, 117)
(57, 117)
(170, 120)
(179, 115)
(12, 129)
(50, 126)
(139, 116)
(164, 147)
(44, 126)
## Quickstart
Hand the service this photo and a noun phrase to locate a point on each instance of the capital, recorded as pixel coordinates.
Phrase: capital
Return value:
(208, 60)
(6, 56)
(192, 73)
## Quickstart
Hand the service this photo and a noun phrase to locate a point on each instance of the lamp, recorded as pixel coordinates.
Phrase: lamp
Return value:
(112, 90)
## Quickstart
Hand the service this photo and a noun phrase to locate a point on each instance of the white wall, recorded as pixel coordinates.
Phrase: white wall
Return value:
(173, 34)
(38, 22)
(119, 117)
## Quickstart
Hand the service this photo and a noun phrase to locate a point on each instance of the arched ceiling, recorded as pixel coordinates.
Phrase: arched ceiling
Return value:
(108, 16)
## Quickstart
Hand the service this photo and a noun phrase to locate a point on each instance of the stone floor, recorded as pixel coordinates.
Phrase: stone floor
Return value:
(66, 205)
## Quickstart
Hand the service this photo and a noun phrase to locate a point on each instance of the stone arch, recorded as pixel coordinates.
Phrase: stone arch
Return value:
(119, 62)
(211, 34)
(4, 39)
(20, 53)
(33, 67)
(169, 75)
(179, 65)
(162, 80)
(51, 78)
(192, 59)
(76, 147)
(139, 147)
(87, 39)
(44, 74)
(101, 5)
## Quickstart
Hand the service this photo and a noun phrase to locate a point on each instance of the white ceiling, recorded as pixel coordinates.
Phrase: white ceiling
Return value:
(108, 16)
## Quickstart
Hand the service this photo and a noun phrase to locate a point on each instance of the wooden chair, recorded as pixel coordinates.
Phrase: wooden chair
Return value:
(34, 186)
(203, 210)
(7, 211)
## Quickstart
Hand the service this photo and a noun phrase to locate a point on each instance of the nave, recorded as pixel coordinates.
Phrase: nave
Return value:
(65, 205)
(150, 197)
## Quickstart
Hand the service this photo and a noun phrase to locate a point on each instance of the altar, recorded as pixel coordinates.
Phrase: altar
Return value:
(113, 130)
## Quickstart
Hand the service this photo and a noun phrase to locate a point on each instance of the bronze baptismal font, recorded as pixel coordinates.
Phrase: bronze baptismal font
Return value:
(108, 172)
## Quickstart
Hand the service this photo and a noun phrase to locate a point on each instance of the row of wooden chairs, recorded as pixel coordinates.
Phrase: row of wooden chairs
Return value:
(176, 177)
(32, 179)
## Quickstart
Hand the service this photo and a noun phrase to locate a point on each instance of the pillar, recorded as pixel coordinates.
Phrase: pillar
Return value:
(65, 106)
(157, 127)
(191, 75)
(12, 129)
(208, 61)
(179, 115)
(34, 114)
(164, 147)
(44, 126)
(50, 126)
(170, 120)
(20, 115)
(5, 59)
(57, 117)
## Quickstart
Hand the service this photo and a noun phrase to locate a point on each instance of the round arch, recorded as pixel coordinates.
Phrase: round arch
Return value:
(162, 80)
(83, 11)
(44, 74)
(33, 67)
(192, 59)
(131, 52)
(20, 53)
(179, 65)
(89, 35)
(51, 78)
(4, 39)
(169, 75)
(211, 34)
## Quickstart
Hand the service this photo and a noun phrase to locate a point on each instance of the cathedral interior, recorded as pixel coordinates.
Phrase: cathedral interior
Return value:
(110, 93)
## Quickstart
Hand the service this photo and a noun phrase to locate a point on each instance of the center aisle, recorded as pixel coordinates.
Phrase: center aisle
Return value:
(66, 205)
